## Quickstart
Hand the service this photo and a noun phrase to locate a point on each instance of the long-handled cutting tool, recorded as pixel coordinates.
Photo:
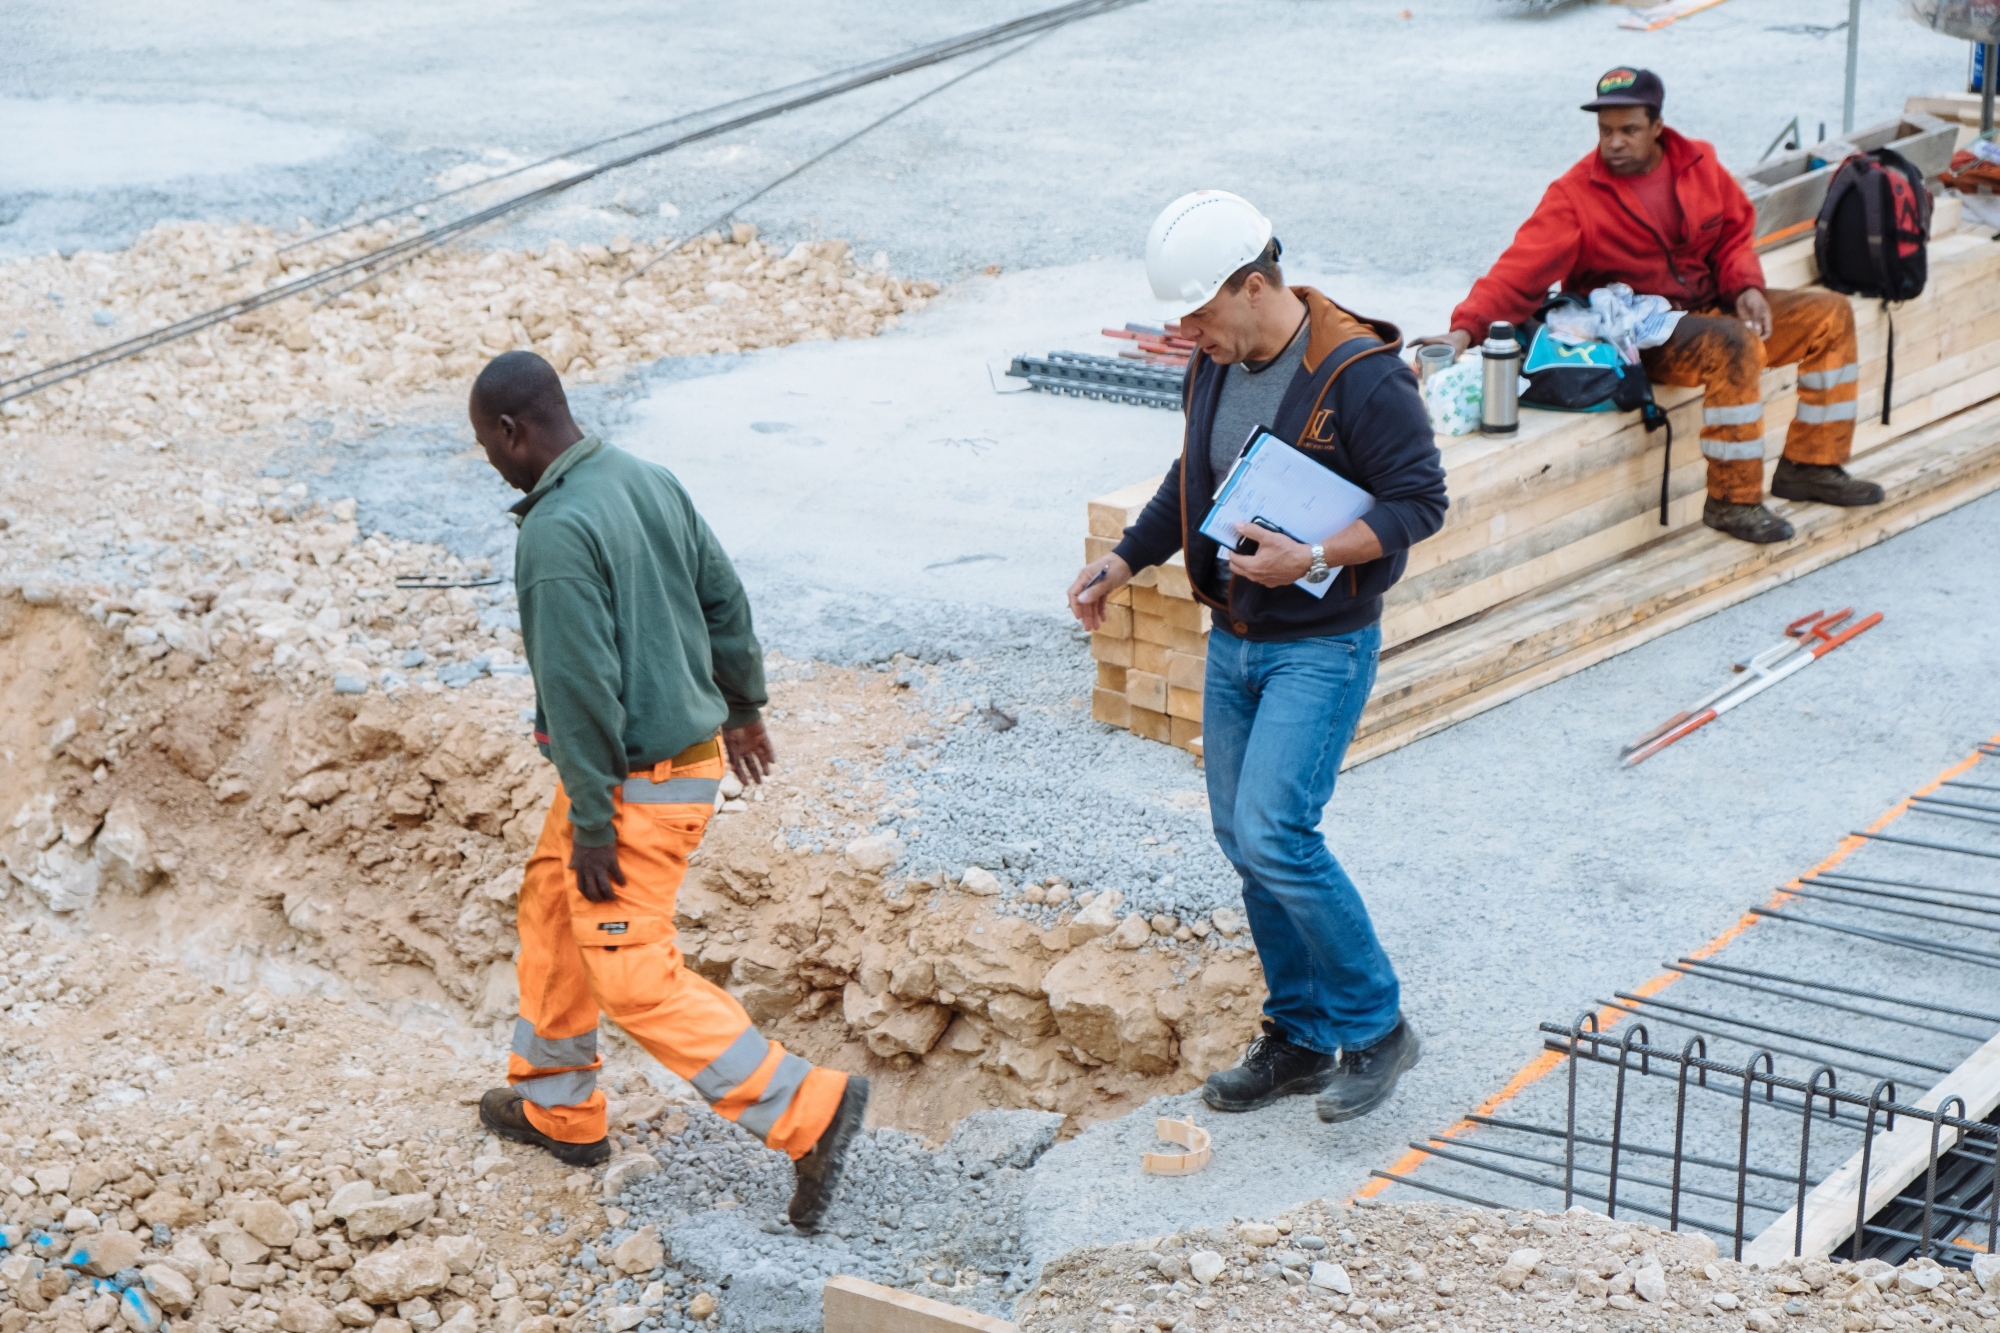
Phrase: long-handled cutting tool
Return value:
(1765, 670)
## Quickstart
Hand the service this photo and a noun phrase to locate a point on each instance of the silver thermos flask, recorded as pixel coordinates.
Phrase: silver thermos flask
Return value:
(1500, 401)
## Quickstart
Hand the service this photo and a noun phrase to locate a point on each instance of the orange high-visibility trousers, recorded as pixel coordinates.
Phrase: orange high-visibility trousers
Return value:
(579, 957)
(1718, 353)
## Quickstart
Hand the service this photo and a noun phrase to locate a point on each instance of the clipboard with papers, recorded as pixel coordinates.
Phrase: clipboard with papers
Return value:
(1274, 482)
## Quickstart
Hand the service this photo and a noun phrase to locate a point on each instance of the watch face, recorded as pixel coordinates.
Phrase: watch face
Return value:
(1318, 575)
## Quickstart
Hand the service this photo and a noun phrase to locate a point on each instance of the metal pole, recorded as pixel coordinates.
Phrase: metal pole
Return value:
(1988, 55)
(1853, 59)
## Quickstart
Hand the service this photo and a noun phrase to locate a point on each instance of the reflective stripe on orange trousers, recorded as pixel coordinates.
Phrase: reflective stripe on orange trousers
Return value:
(1716, 352)
(579, 957)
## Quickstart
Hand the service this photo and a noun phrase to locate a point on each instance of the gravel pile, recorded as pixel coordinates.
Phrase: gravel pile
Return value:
(1434, 1266)
(948, 1223)
(433, 320)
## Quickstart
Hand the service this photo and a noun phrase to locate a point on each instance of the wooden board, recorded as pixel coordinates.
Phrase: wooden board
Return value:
(849, 1305)
(1898, 1157)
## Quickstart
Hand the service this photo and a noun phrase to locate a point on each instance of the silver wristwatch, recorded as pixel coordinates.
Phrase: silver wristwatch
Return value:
(1319, 572)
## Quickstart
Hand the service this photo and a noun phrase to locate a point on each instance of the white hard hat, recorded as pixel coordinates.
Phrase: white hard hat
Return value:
(1198, 241)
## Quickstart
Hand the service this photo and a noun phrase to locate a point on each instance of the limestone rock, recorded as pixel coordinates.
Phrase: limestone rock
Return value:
(140, 1312)
(1098, 919)
(701, 1307)
(911, 1031)
(1103, 1005)
(123, 851)
(641, 1252)
(52, 1180)
(1131, 933)
(1204, 1266)
(980, 881)
(1022, 1017)
(354, 1313)
(622, 1318)
(461, 1253)
(1919, 1281)
(351, 1196)
(106, 1252)
(269, 1221)
(236, 1248)
(1260, 1234)
(170, 1287)
(1228, 920)
(1331, 1277)
(389, 1276)
(169, 1209)
(987, 956)
(862, 1010)
(874, 854)
(303, 1314)
(386, 1217)
(627, 1168)
(1986, 1272)
(1515, 1271)
(1650, 1282)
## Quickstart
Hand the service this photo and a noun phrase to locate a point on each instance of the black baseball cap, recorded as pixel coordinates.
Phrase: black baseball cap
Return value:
(1628, 87)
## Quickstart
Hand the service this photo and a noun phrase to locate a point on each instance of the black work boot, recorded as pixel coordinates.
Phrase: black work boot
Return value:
(1272, 1068)
(1826, 483)
(819, 1170)
(1368, 1076)
(503, 1111)
(1750, 523)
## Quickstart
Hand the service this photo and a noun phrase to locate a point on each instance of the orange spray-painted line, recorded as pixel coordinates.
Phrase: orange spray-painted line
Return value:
(1549, 1061)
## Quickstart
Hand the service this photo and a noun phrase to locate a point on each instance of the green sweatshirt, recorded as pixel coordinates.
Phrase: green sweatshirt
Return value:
(636, 627)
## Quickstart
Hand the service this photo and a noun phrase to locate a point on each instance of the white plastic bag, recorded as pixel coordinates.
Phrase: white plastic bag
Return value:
(1453, 397)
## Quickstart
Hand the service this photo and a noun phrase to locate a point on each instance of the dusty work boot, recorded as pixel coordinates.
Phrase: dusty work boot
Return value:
(1368, 1076)
(503, 1111)
(1272, 1068)
(1825, 483)
(1750, 523)
(819, 1170)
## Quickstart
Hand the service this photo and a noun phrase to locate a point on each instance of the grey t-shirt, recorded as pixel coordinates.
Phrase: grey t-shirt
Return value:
(1251, 392)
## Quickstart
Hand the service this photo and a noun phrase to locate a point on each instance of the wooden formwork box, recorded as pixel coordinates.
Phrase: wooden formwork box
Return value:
(1552, 556)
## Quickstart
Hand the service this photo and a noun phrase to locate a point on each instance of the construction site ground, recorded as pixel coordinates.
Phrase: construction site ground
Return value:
(262, 811)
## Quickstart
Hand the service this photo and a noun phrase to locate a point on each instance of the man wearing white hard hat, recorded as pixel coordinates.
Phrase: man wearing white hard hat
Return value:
(1288, 672)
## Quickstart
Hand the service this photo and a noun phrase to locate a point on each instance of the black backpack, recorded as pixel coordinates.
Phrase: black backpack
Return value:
(1873, 236)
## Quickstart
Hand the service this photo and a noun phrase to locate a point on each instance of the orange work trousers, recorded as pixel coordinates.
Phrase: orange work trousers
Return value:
(579, 958)
(1718, 353)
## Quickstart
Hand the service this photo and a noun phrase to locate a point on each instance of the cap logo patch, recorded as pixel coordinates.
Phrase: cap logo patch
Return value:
(1617, 81)
(612, 927)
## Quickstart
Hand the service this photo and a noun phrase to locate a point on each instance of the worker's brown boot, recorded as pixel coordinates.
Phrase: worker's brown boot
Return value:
(1750, 523)
(819, 1170)
(503, 1111)
(1826, 483)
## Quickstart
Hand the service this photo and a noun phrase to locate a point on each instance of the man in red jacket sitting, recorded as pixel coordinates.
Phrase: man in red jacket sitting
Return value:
(1656, 211)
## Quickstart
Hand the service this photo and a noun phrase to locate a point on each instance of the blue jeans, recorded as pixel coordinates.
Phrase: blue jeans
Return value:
(1276, 720)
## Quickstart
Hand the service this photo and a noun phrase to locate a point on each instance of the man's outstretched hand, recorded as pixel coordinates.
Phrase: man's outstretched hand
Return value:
(750, 753)
(596, 871)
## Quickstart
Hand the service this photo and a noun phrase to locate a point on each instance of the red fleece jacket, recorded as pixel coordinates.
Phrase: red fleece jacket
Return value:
(1591, 229)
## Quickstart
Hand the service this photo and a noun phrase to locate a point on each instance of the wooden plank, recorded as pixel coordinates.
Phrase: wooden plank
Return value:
(1143, 689)
(1150, 628)
(1148, 602)
(1110, 706)
(1184, 704)
(1185, 734)
(1181, 613)
(1185, 670)
(1105, 648)
(1189, 641)
(1150, 656)
(1153, 726)
(1111, 677)
(1418, 694)
(850, 1305)
(1897, 1157)
(1117, 622)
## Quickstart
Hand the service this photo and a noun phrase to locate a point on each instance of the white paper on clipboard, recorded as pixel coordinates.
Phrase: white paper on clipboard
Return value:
(1277, 483)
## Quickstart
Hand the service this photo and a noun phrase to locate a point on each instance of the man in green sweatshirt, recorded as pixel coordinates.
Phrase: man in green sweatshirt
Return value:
(638, 634)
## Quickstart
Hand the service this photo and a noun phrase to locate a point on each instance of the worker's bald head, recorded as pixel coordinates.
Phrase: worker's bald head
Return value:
(520, 385)
(520, 416)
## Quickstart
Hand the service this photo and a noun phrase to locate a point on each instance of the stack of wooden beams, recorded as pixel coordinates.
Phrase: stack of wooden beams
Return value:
(1552, 556)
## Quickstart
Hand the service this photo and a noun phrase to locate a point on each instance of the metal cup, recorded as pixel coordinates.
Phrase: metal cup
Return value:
(1432, 358)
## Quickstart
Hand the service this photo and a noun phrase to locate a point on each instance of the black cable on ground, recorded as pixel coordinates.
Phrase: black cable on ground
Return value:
(45, 377)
